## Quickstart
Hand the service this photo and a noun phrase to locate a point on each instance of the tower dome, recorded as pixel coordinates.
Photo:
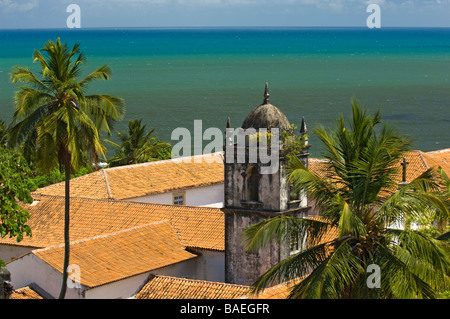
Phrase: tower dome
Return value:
(267, 116)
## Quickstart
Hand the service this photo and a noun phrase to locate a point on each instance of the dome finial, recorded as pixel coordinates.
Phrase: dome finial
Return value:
(266, 94)
(303, 129)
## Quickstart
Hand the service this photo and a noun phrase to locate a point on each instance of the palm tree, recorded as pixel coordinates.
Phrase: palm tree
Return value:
(137, 146)
(54, 115)
(360, 199)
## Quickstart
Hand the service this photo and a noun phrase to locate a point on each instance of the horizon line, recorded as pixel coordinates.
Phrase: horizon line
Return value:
(220, 27)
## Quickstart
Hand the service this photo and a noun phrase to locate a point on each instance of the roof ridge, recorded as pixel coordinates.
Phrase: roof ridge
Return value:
(72, 179)
(107, 186)
(172, 160)
(419, 153)
(125, 202)
(201, 281)
(444, 150)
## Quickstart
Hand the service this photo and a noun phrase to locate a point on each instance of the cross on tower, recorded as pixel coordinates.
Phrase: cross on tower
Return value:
(404, 164)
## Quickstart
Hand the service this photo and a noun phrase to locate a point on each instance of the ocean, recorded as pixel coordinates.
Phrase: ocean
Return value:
(170, 77)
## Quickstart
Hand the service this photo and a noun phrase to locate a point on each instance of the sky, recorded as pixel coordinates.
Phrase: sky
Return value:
(39, 14)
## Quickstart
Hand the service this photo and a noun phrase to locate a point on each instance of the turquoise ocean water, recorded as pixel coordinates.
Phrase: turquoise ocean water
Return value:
(171, 77)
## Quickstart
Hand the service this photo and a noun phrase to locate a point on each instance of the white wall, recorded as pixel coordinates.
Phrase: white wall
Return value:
(210, 265)
(9, 252)
(206, 196)
(210, 196)
(121, 289)
(29, 269)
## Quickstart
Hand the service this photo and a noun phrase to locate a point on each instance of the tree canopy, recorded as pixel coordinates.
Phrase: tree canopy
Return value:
(14, 173)
(56, 117)
(138, 146)
(361, 200)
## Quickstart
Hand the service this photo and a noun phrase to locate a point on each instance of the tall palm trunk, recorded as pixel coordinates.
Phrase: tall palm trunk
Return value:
(55, 116)
(62, 293)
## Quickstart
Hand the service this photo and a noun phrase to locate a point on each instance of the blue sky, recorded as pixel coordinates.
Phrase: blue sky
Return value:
(181, 13)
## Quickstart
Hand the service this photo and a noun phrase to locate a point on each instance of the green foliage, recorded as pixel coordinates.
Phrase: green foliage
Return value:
(3, 130)
(54, 176)
(430, 231)
(56, 122)
(292, 143)
(360, 198)
(138, 146)
(260, 137)
(53, 114)
(444, 295)
(14, 174)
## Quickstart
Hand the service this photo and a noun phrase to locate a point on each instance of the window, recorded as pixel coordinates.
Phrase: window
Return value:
(178, 198)
(293, 193)
(294, 244)
(252, 187)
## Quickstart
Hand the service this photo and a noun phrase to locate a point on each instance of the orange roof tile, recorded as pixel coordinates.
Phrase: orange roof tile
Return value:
(93, 185)
(131, 181)
(280, 291)
(418, 162)
(441, 155)
(113, 257)
(439, 158)
(331, 232)
(318, 166)
(25, 293)
(164, 287)
(198, 227)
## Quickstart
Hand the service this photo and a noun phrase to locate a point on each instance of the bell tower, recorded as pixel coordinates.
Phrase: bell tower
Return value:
(257, 188)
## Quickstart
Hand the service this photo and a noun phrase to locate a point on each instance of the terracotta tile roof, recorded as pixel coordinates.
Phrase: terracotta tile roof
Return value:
(319, 166)
(418, 162)
(25, 293)
(131, 181)
(439, 158)
(330, 234)
(416, 166)
(441, 155)
(198, 227)
(93, 185)
(164, 287)
(280, 291)
(113, 257)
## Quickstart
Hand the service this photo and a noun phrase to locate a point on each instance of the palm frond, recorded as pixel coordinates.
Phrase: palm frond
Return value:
(106, 109)
(102, 73)
(398, 280)
(293, 267)
(414, 198)
(27, 99)
(350, 223)
(323, 191)
(47, 152)
(113, 144)
(277, 228)
(22, 74)
(426, 249)
(19, 130)
(332, 277)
